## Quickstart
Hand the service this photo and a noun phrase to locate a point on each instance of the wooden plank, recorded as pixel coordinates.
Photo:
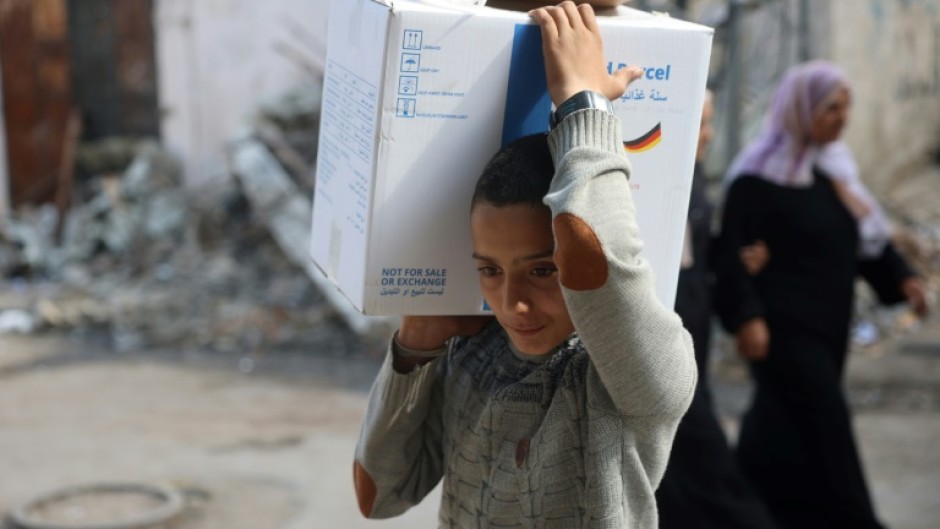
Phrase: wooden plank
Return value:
(64, 187)
(51, 66)
(36, 93)
(54, 69)
(20, 95)
(4, 160)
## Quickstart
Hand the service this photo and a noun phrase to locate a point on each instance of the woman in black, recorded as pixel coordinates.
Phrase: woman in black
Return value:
(797, 188)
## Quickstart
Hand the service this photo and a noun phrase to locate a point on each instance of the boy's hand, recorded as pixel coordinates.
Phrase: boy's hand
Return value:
(574, 54)
(426, 333)
(528, 5)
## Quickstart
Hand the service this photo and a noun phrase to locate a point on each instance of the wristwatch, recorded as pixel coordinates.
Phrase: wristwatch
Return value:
(583, 100)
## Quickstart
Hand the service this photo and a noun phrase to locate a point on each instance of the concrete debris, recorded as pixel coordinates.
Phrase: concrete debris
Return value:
(154, 264)
(298, 110)
(289, 127)
(16, 321)
(865, 333)
(144, 203)
(287, 213)
(107, 156)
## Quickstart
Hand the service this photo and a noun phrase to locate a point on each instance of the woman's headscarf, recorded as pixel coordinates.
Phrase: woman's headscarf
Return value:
(785, 154)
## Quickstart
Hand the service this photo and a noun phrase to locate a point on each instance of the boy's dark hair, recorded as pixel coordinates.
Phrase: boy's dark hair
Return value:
(520, 173)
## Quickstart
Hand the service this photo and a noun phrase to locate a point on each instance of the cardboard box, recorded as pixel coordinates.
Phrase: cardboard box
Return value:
(416, 100)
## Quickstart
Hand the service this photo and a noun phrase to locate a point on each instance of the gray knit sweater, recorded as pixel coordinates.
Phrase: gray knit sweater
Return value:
(578, 441)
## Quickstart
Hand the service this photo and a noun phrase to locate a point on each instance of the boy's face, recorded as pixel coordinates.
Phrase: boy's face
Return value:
(513, 247)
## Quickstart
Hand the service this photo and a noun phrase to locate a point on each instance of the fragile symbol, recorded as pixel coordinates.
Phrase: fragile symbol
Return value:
(406, 108)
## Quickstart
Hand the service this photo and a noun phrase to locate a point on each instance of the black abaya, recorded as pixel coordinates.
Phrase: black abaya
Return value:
(796, 442)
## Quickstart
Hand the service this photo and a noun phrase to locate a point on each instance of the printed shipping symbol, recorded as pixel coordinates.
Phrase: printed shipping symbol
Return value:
(408, 85)
(412, 39)
(406, 108)
(410, 62)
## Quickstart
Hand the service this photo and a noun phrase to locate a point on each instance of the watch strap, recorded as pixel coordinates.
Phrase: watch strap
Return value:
(583, 100)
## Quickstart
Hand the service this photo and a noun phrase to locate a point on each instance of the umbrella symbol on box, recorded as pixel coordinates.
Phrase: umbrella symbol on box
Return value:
(410, 62)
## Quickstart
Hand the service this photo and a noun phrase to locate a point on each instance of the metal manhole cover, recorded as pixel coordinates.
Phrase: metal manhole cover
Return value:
(100, 506)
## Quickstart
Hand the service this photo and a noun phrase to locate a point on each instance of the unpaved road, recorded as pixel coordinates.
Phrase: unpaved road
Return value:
(273, 448)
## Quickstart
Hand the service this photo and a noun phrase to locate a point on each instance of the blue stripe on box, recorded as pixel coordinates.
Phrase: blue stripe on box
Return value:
(527, 99)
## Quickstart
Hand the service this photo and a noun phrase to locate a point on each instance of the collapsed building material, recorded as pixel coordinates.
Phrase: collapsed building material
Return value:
(156, 264)
(276, 199)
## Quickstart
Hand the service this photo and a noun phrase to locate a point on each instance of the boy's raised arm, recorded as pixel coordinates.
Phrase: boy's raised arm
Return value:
(642, 355)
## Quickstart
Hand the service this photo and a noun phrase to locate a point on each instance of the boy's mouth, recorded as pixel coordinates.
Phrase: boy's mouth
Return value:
(526, 331)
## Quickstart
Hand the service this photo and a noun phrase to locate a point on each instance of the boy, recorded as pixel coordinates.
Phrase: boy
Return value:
(561, 412)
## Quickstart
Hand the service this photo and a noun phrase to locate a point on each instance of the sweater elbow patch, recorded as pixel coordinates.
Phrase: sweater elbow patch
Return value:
(365, 489)
(579, 254)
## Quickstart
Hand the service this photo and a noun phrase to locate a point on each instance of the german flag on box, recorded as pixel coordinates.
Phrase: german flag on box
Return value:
(646, 141)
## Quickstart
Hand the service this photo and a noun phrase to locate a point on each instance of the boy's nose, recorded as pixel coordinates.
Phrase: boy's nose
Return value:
(515, 298)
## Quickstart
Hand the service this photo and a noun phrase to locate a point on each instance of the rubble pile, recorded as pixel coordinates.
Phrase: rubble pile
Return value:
(153, 263)
(288, 127)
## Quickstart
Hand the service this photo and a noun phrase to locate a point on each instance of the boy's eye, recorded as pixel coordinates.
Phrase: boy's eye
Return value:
(544, 271)
(487, 271)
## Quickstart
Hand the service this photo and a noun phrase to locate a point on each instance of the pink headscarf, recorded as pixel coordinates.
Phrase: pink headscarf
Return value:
(784, 153)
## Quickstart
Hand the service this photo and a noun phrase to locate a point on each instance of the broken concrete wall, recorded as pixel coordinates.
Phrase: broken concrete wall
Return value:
(219, 61)
(153, 264)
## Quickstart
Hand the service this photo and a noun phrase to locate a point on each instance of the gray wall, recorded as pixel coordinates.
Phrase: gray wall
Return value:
(889, 48)
(219, 60)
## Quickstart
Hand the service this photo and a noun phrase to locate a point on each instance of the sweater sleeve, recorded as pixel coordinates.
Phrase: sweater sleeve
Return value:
(639, 350)
(398, 457)
(736, 298)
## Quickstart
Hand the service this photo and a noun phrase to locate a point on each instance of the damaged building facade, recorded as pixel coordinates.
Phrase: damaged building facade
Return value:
(165, 220)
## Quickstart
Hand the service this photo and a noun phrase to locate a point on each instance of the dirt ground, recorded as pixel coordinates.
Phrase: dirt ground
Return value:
(272, 448)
